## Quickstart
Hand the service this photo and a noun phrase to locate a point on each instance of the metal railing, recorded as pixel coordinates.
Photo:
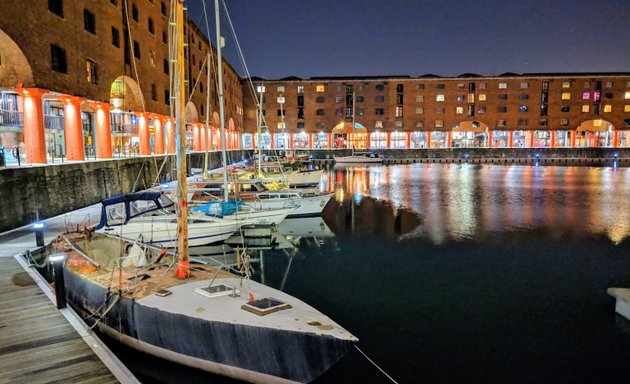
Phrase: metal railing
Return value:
(11, 119)
(53, 122)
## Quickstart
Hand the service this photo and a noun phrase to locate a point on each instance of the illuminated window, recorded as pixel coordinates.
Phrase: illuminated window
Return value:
(320, 88)
(300, 89)
(564, 122)
(586, 95)
(607, 108)
(482, 97)
(459, 110)
(338, 99)
(419, 111)
(439, 123)
(280, 88)
(566, 84)
(398, 124)
(461, 86)
(523, 108)
(502, 85)
(626, 108)
(609, 84)
(460, 97)
(439, 97)
(399, 111)
(471, 97)
(500, 123)
(419, 124)
(585, 108)
(91, 72)
(524, 85)
(420, 98)
(566, 96)
(483, 85)
(626, 95)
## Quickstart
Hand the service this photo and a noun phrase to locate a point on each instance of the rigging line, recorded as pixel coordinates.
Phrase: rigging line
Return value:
(133, 54)
(197, 80)
(376, 365)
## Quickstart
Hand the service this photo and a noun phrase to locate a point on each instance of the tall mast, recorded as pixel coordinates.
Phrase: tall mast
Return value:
(353, 137)
(221, 112)
(177, 37)
(205, 159)
(261, 88)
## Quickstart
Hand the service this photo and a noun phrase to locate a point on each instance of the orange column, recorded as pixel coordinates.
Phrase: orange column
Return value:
(169, 136)
(143, 134)
(489, 143)
(310, 140)
(196, 137)
(530, 141)
(273, 144)
(510, 138)
(552, 137)
(572, 135)
(73, 128)
(291, 143)
(158, 139)
(408, 140)
(615, 142)
(429, 139)
(389, 140)
(34, 137)
(103, 131)
(203, 137)
(449, 139)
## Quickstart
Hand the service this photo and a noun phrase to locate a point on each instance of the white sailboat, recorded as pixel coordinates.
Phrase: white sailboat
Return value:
(207, 318)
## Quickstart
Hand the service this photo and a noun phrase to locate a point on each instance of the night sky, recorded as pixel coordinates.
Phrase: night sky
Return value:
(307, 38)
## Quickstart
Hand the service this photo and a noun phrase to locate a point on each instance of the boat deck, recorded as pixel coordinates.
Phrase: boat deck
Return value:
(37, 344)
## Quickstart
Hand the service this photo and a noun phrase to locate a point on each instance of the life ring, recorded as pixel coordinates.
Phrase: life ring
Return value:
(14, 152)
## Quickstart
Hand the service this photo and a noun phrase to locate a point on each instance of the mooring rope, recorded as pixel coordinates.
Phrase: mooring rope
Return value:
(376, 365)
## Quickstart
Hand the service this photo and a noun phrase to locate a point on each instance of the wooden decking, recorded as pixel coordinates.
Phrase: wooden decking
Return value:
(37, 344)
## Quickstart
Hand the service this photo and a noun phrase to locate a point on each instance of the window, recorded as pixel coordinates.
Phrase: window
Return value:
(134, 12)
(564, 122)
(153, 92)
(502, 85)
(338, 99)
(420, 87)
(586, 95)
(320, 125)
(522, 122)
(609, 84)
(587, 84)
(300, 89)
(566, 96)
(91, 72)
(300, 100)
(419, 111)
(501, 123)
(585, 108)
(626, 95)
(339, 112)
(439, 97)
(471, 87)
(360, 112)
(524, 85)
(58, 59)
(461, 86)
(545, 85)
(626, 108)
(440, 86)
(420, 98)
(483, 85)
(379, 99)
(359, 99)
(542, 122)
(439, 123)
(167, 97)
(300, 113)
(460, 97)
(164, 37)
(56, 7)
(114, 2)
(165, 64)
(203, 111)
(543, 109)
(319, 99)
(502, 96)
(115, 37)
(319, 112)
(608, 95)
(163, 8)
(523, 96)
(281, 112)
(399, 99)
(349, 89)
(459, 110)
(607, 108)
(482, 97)
(439, 110)
(471, 97)
(565, 108)
(152, 62)
(89, 21)
(300, 124)
(501, 109)
(626, 122)
(566, 84)
(523, 108)
(398, 124)
(360, 87)
(136, 49)
(400, 88)
(280, 88)
(399, 111)
(419, 124)
(481, 109)
(320, 88)
(151, 29)
(338, 88)
(379, 111)
(380, 87)
(596, 96)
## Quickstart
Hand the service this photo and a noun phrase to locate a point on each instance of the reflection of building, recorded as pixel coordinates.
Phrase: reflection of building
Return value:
(511, 110)
(95, 81)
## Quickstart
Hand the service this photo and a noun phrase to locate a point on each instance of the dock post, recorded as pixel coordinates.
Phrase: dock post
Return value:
(39, 234)
(60, 285)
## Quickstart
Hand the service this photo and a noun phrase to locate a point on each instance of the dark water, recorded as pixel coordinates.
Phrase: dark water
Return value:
(460, 273)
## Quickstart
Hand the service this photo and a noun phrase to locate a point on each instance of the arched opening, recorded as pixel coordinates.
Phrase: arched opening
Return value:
(470, 134)
(125, 95)
(347, 136)
(15, 67)
(125, 98)
(595, 133)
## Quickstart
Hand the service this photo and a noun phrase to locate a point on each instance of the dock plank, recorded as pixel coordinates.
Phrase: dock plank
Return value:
(37, 345)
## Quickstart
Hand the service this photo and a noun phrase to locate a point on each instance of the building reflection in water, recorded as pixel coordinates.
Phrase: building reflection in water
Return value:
(466, 201)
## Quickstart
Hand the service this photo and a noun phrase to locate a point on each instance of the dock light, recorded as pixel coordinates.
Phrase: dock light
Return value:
(57, 260)
(537, 155)
(616, 154)
(39, 233)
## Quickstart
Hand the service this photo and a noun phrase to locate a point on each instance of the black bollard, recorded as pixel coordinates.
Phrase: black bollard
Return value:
(60, 285)
(39, 234)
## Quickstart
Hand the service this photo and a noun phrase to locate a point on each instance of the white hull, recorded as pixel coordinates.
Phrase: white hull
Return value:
(252, 216)
(305, 206)
(297, 178)
(358, 159)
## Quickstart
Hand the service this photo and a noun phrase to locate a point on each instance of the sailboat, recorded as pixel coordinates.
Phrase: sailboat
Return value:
(200, 315)
(358, 157)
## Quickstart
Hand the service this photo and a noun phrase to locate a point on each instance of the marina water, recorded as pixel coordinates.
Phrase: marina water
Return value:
(459, 273)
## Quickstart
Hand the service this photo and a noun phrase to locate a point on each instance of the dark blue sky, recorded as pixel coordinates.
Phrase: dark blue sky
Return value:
(307, 38)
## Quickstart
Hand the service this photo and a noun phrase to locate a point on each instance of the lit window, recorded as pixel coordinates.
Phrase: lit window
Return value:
(439, 97)
(596, 96)
(399, 111)
(398, 124)
(564, 122)
(607, 108)
(500, 123)
(420, 98)
(609, 84)
(626, 108)
(300, 89)
(626, 95)
(586, 95)
(482, 97)
(502, 85)
(461, 86)
(585, 108)
(566, 84)
(471, 97)
(566, 96)
(419, 111)
(483, 85)
(91, 72)
(524, 85)
(439, 123)
(523, 108)
(419, 124)
(460, 97)
(320, 88)
(338, 99)
(280, 88)
(459, 110)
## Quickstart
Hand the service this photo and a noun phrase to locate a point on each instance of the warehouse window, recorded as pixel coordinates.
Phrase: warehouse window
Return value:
(58, 59)
(56, 7)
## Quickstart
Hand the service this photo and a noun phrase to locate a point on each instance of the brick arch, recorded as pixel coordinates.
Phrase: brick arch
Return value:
(125, 94)
(15, 67)
(471, 126)
(595, 125)
(191, 113)
(216, 119)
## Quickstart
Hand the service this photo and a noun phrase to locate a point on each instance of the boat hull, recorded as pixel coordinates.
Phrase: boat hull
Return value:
(245, 352)
(305, 206)
(358, 160)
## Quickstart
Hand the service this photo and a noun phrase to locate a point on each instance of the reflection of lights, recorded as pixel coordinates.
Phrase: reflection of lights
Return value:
(357, 198)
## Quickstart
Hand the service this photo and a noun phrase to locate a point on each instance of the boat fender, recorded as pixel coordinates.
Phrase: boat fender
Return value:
(251, 297)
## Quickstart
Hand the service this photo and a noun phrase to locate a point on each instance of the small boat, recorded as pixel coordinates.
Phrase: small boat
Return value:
(360, 157)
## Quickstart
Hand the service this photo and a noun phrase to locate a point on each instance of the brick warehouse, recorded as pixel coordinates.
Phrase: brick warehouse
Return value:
(70, 89)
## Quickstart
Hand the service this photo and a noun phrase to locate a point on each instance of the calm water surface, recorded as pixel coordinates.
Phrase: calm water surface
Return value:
(460, 273)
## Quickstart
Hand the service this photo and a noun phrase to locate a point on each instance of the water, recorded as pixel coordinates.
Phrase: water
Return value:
(460, 273)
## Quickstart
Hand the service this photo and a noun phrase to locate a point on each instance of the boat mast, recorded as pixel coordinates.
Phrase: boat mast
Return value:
(205, 160)
(353, 137)
(261, 88)
(221, 112)
(177, 37)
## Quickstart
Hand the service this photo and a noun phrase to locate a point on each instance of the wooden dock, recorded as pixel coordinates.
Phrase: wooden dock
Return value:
(37, 343)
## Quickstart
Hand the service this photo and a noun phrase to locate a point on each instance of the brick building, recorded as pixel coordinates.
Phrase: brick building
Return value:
(91, 78)
(511, 110)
